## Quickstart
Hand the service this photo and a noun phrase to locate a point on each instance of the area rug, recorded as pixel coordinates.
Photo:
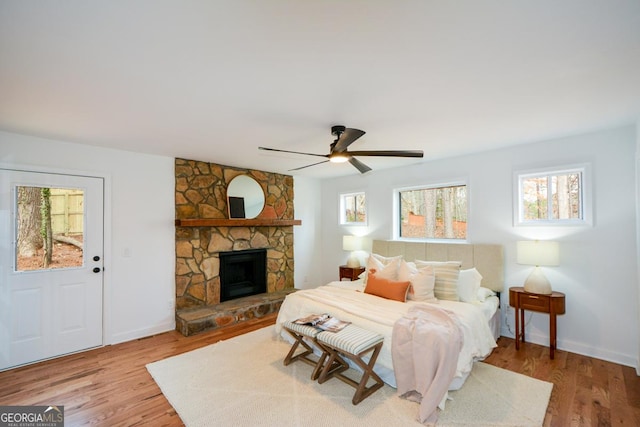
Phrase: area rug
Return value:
(242, 382)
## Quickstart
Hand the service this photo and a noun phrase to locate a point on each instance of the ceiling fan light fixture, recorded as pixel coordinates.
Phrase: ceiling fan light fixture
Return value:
(339, 153)
(338, 158)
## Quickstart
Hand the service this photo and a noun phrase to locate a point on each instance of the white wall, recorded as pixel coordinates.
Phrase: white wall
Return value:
(598, 270)
(307, 238)
(139, 221)
(637, 158)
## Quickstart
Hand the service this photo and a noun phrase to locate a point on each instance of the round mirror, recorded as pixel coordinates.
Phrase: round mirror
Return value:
(245, 197)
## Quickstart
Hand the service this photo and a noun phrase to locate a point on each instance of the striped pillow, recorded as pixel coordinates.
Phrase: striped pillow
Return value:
(446, 272)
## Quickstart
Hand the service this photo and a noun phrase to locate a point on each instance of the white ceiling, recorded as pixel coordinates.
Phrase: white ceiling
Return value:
(213, 80)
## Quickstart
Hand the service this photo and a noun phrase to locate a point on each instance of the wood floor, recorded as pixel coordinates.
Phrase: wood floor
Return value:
(111, 386)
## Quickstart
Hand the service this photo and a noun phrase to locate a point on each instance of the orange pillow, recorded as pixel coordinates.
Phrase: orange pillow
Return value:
(386, 288)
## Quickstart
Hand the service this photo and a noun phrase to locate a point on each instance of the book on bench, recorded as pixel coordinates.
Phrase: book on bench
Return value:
(323, 322)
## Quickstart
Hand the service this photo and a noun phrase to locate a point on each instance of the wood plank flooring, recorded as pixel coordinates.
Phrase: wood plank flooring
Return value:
(110, 386)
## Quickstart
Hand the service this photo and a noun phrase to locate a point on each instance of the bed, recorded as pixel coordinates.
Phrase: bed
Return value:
(345, 300)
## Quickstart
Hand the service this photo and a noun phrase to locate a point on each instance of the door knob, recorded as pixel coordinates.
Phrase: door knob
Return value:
(96, 269)
(96, 258)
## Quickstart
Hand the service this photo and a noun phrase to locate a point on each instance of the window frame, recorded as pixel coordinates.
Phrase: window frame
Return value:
(397, 217)
(584, 169)
(342, 207)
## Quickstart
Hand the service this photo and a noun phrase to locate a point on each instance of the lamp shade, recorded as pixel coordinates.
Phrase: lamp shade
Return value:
(538, 252)
(351, 243)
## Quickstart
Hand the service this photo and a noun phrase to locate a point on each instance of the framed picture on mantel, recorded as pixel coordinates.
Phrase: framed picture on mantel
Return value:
(236, 207)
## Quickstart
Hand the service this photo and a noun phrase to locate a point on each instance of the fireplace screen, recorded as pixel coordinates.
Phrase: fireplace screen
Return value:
(242, 273)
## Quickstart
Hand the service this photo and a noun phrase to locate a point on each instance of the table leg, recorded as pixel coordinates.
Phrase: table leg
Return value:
(522, 323)
(517, 310)
(552, 334)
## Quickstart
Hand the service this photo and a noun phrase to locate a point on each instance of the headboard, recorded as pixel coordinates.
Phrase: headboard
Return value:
(488, 259)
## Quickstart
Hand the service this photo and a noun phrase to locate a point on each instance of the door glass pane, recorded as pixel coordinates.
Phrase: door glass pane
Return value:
(49, 228)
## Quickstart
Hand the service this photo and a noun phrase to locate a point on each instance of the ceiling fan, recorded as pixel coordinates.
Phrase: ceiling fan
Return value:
(338, 152)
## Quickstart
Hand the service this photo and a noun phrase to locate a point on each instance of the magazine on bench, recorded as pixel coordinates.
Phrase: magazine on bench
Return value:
(323, 322)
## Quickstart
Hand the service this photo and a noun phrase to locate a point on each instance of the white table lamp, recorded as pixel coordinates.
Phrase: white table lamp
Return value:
(538, 253)
(352, 244)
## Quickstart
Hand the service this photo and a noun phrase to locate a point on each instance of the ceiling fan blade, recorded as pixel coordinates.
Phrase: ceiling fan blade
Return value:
(347, 138)
(359, 165)
(388, 153)
(307, 166)
(292, 152)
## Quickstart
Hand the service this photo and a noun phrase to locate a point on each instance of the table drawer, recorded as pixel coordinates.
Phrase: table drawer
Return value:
(535, 302)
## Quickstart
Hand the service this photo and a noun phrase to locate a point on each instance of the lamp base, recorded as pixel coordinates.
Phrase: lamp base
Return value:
(537, 283)
(353, 262)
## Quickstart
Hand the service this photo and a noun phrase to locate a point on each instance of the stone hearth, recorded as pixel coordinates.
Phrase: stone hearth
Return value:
(196, 320)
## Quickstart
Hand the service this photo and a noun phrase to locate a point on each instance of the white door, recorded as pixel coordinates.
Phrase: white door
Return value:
(50, 311)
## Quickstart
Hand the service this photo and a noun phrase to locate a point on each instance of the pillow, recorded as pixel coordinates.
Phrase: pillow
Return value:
(484, 293)
(387, 267)
(446, 272)
(386, 260)
(468, 285)
(422, 281)
(385, 288)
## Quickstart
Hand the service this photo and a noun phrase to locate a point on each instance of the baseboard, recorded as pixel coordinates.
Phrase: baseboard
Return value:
(141, 333)
(579, 348)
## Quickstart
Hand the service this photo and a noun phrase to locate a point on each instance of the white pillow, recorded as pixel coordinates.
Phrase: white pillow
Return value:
(422, 281)
(386, 267)
(484, 293)
(468, 285)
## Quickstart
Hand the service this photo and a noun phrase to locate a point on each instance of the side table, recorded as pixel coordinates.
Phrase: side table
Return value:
(552, 304)
(350, 273)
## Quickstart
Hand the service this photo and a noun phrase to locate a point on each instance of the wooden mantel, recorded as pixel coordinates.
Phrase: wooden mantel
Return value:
(256, 222)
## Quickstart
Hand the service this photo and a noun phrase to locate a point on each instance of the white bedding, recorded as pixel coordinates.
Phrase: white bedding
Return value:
(379, 315)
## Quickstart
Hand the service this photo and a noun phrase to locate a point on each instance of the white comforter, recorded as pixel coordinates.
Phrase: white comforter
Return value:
(379, 315)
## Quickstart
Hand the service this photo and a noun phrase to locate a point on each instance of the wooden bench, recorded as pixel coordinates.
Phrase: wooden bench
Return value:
(352, 343)
(305, 336)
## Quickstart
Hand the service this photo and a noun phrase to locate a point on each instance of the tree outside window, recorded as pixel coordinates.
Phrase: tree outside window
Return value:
(353, 208)
(49, 228)
(551, 196)
(433, 212)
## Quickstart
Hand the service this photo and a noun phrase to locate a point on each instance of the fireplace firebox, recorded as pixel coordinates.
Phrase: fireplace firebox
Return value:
(242, 273)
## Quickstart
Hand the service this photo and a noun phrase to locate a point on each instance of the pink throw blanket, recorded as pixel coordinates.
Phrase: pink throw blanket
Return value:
(426, 343)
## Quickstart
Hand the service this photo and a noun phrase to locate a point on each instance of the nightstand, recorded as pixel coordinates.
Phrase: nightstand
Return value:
(350, 273)
(552, 304)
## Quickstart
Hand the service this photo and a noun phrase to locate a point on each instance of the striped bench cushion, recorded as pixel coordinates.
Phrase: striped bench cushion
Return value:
(306, 330)
(351, 339)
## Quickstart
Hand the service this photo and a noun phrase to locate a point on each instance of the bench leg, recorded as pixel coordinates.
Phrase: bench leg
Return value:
(304, 356)
(362, 391)
(299, 341)
(333, 366)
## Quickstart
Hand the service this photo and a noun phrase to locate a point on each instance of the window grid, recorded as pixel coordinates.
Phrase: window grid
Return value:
(353, 209)
(551, 197)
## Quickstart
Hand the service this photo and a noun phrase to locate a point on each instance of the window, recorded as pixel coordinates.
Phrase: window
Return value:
(547, 197)
(50, 228)
(438, 212)
(353, 209)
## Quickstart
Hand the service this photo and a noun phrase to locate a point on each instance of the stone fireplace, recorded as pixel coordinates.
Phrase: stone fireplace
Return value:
(204, 233)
